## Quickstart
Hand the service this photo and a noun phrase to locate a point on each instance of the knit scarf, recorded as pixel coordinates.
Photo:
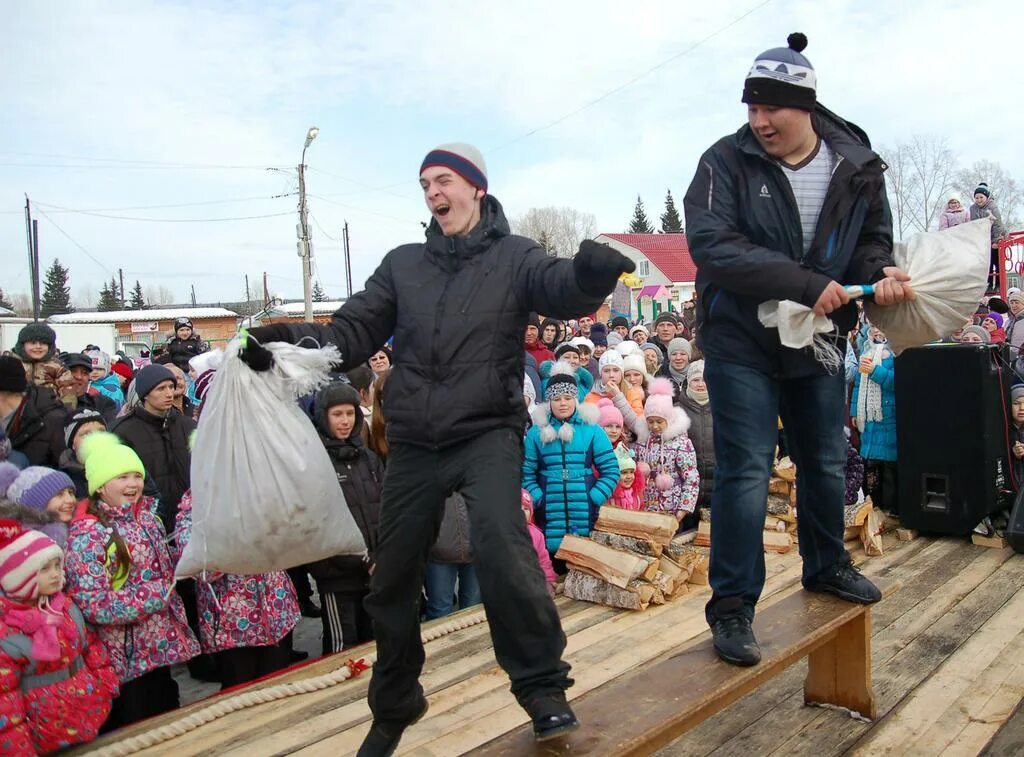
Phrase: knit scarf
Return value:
(869, 399)
(40, 623)
(701, 398)
(679, 376)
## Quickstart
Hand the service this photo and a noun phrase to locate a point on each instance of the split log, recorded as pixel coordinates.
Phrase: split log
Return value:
(579, 585)
(776, 542)
(785, 469)
(636, 545)
(857, 513)
(871, 534)
(703, 538)
(705, 514)
(992, 542)
(617, 568)
(681, 590)
(779, 486)
(792, 497)
(699, 575)
(664, 583)
(778, 505)
(771, 523)
(851, 533)
(672, 569)
(906, 534)
(657, 527)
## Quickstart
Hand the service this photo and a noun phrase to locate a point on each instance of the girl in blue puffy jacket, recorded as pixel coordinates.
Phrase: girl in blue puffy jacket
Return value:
(873, 408)
(569, 467)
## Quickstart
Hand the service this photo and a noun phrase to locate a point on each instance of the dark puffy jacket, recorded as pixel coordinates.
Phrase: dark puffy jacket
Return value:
(100, 403)
(702, 434)
(180, 351)
(457, 307)
(163, 446)
(37, 428)
(361, 475)
(744, 233)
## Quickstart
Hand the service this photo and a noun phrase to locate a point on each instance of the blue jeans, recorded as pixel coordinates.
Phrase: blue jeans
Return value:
(440, 580)
(745, 405)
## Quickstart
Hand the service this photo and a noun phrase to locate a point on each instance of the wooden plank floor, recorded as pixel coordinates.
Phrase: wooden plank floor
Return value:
(948, 656)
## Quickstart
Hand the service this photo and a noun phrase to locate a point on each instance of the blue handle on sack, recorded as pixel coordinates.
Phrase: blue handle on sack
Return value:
(859, 290)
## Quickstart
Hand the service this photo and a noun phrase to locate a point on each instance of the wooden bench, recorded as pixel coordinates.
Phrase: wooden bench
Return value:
(638, 713)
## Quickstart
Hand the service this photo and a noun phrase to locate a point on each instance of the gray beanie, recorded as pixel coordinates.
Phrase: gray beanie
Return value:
(985, 336)
(680, 345)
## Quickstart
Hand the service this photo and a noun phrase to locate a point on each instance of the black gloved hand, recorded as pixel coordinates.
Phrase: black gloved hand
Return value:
(599, 266)
(255, 355)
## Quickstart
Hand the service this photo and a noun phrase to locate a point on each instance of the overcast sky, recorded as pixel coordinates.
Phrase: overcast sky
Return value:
(109, 106)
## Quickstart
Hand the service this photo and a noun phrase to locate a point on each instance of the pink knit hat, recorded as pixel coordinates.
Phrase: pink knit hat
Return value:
(22, 555)
(610, 414)
(659, 403)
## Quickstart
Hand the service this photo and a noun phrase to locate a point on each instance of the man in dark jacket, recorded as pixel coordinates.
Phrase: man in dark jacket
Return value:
(78, 395)
(664, 332)
(159, 434)
(184, 345)
(457, 306)
(791, 207)
(30, 415)
(344, 581)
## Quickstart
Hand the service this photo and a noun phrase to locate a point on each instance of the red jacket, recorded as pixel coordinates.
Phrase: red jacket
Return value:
(49, 704)
(539, 351)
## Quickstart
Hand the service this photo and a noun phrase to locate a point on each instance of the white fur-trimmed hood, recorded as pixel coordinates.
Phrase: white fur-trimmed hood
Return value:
(586, 414)
(678, 425)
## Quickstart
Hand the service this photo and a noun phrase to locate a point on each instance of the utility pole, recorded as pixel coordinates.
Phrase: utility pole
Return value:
(31, 236)
(193, 295)
(348, 262)
(246, 289)
(266, 292)
(304, 245)
(120, 273)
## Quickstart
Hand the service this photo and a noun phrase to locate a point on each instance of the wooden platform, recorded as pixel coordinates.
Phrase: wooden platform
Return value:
(948, 661)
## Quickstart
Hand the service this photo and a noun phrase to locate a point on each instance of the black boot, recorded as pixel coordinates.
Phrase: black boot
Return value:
(551, 716)
(384, 735)
(844, 579)
(734, 638)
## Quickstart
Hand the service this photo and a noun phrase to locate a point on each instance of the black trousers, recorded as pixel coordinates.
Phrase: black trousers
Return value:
(300, 580)
(525, 628)
(244, 664)
(152, 693)
(881, 483)
(346, 622)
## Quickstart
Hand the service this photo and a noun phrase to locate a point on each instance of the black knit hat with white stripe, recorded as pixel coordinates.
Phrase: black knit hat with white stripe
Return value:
(783, 77)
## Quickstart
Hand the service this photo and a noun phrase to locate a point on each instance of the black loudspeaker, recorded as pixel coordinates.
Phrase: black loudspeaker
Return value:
(1015, 527)
(951, 420)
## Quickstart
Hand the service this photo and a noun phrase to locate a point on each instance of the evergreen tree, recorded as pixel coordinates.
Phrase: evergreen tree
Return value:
(318, 293)
(670, 221)
(56, 296)
(640, 224)
(110, 298)
(137, 300)
(4, 302)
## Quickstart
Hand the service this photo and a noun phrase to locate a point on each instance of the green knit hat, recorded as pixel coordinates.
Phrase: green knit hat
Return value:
(106, 458)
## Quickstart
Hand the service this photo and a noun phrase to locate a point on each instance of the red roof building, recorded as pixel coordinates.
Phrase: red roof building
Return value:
(662, 260)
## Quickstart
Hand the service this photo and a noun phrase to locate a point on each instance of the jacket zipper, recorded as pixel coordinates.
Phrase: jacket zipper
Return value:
(435, 357)
(476, 288)
(565, 485)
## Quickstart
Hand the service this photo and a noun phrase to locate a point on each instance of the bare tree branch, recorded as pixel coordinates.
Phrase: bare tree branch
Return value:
(559, 229)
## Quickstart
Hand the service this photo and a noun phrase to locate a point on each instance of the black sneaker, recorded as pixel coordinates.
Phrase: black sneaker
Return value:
(734, 638)
(551, 716)
(845, 580)
(384, 735)
(309, 609)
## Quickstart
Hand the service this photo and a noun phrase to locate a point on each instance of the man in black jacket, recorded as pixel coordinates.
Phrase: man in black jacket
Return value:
(30, 415)
(457, 306)
(76, 393)
(791, 207)
(159, 434)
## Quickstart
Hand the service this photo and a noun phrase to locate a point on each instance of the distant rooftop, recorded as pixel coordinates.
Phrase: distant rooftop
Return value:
(162, 314)
(299, 308)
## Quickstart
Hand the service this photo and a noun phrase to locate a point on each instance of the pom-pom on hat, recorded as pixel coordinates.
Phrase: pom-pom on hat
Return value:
(562, 381)
(22, 555)
(36, 486)
(599, 335)
(627, 348)
(610, 415)
(9, 473)
(106, 458)
(783, 77)
(659, 403)
(462, 158)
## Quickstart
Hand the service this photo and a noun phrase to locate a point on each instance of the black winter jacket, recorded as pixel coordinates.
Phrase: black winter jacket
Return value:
(702, 434)
(101, 404)
(457, 307)
(162, 445)
(744, 233)
(37, 428)
(180, 351)
(361, 475)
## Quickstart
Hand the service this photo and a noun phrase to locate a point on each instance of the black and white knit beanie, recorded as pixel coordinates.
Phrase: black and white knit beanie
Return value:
(783, 77)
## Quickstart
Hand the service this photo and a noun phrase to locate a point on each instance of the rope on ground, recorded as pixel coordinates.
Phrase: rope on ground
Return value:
(246, 699)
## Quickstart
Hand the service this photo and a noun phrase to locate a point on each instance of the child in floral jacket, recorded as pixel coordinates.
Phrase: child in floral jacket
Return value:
(243, 620)
(665, 454)
(121, 575)
(56, 681)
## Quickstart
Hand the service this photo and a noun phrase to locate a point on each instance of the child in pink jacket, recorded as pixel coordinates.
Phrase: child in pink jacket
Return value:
(629, 492)
(539, 544)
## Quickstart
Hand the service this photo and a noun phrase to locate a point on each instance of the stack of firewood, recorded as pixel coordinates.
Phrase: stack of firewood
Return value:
(779, 523)
(864, 523)
(630, 561)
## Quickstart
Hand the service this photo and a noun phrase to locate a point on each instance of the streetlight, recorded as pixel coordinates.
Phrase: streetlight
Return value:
(305, 249)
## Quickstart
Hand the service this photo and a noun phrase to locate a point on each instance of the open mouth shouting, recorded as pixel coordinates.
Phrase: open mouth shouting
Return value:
(442, 209)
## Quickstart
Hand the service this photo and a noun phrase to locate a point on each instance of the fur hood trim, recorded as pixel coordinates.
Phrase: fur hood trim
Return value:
(586, 414)
(678, 425)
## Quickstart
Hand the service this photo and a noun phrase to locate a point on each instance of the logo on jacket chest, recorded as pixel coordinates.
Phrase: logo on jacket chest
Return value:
(765, 193)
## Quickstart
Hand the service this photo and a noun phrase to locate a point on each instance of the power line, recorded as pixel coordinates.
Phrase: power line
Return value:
(76, 244)
(631, 82)
(361, 210)
(182, 220)
(321, 228)
(62, 209)
(125, 162)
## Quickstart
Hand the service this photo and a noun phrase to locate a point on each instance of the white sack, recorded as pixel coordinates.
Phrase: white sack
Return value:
(948, 271)
(799, 327)
(264, 493)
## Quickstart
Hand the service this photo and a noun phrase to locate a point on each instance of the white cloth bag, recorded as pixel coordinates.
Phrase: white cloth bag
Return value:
(264, 492)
